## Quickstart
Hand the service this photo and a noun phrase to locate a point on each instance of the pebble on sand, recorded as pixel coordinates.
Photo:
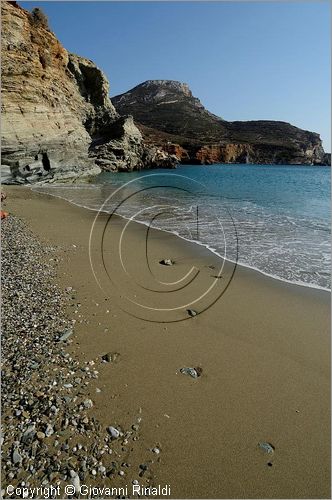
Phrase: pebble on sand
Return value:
(67, 333)
(267, 447)
(111, 357)
(75, 480)
(166, 262)
(115, 433)
(192, 372)
(16, 457)
(88, 404)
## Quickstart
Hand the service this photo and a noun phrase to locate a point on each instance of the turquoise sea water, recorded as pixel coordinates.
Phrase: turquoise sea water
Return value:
(275, 219)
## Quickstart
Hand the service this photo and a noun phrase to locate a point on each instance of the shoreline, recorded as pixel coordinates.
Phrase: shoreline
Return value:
(194, 242)
(263, 348)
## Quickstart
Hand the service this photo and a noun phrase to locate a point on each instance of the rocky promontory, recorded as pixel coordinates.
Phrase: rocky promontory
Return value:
(56, 109)
(170, 116)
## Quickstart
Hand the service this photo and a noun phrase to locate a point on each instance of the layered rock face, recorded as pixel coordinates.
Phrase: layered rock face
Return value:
(168, 114)
(43, 112)
(55, 108)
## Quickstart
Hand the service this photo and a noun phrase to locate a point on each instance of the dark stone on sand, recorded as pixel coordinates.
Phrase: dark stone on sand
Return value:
(266, 447)
(192, 372)
(111, 357)
(166, 262)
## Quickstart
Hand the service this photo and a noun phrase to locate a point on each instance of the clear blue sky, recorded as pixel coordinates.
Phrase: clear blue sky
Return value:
(244, 60)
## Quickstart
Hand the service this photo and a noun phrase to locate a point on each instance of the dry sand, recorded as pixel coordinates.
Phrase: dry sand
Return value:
(264, 348)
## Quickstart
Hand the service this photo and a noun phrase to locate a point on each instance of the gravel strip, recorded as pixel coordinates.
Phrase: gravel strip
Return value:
(48, 434)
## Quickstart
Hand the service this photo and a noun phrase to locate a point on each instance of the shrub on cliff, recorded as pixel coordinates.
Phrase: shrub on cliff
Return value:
(39, 18)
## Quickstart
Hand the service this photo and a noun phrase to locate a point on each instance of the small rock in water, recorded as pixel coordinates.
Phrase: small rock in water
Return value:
(267, 447)
(115, 433)
(166, 262)
(192, 372)
(156, 450)
(192, 312)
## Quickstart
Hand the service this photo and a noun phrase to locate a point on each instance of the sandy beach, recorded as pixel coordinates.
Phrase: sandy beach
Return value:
(263, 346)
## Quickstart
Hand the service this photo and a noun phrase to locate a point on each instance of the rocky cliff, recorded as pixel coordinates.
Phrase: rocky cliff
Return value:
(171, 117)
(58, 122)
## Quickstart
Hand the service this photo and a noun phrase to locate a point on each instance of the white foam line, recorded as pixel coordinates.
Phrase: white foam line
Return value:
(205, 245)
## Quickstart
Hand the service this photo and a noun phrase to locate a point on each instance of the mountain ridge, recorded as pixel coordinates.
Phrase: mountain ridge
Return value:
(168, 107)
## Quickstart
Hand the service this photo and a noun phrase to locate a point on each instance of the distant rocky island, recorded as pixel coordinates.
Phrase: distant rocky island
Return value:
(59, 123)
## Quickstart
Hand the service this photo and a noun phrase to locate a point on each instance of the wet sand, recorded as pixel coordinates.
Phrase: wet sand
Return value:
(263, 346)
